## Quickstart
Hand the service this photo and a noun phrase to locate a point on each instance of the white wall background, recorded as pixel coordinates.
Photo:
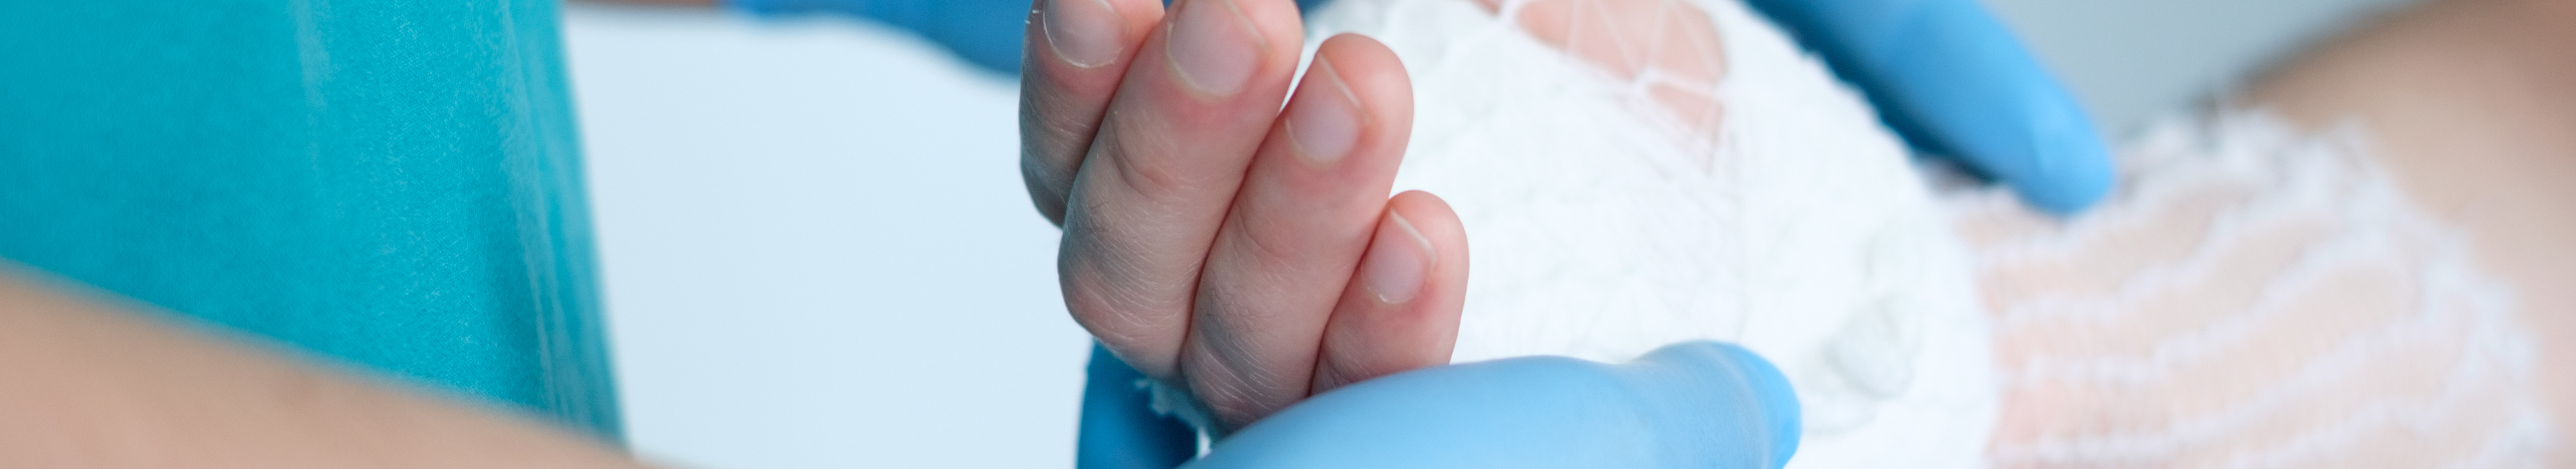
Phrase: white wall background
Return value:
(818, 253)
(2130, 60)
(816, 248)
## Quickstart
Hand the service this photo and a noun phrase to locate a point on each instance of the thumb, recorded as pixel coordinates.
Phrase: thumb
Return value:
(1696, 404)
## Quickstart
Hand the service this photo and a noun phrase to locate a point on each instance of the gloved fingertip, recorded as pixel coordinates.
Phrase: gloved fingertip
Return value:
(1714, 391)
(1778, 401)
(1953, 80)
(2067, 168)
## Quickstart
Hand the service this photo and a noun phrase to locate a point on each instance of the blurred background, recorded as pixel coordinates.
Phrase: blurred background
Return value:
(817, 251)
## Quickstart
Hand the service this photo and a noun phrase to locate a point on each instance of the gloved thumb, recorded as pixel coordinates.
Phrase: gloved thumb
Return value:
(1696, 404)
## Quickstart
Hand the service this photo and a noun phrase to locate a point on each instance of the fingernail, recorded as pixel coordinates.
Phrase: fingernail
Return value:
(1084, 33)
(1213, 47)
(1324, 120)
(1396, 265)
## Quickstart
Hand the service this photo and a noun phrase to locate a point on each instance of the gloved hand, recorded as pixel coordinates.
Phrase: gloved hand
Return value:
(1943, 73)
(1120, 429)
(1950, 78)
(1695, 404)
(984, 32)
(1946, 75)
(2061, 170)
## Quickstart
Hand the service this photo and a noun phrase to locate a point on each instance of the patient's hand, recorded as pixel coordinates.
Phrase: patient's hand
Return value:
(1214, 241)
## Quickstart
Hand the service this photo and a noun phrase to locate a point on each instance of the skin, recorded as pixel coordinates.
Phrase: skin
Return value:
(2466, 96)
(94, 383)
(2468, 100)
(98, 382)
(2465, 105)
(1209, 249)
(1214, 240)
(2470, 103)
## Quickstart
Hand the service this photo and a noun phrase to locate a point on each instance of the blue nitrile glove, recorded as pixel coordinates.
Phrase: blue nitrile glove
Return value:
(1944, 73)
(1954, 82)
(1119, 427)
(1695, 404)
(1688, 405)
(984, 32)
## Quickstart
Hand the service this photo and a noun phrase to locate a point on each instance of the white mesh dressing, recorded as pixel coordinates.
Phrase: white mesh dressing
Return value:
(2251, 297)
(1610, 214)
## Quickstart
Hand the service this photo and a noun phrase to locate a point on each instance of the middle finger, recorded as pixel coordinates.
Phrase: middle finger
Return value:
(1170, 154)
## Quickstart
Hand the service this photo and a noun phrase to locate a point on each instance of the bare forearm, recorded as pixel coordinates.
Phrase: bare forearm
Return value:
(93, 384)
(2469, 104)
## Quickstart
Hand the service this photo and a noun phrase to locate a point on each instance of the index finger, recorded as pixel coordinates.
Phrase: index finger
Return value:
(1163, 171)
(1076, 53)
(1953, 80)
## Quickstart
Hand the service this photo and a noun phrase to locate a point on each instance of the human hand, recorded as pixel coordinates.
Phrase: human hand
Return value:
(1041, 192)
(1944, 73)
(1214, 242)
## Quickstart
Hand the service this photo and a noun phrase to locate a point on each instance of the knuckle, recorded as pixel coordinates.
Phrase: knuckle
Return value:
(1130, 302)
(1272, 244)
(1152, 171)
(1236, 396)
(1153, 178)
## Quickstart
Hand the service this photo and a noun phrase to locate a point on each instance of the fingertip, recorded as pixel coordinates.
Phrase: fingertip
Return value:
(1280, 20)
(1438, 223)
(1375, 75)
(1365, 53)
(2068, 193)
(1140, 14)
(1713, 390)
(1074, 54)
(1432, 215)
(1374, 334)
(1376, 81)
(1085, 44)
(2018, 127)
(1954, 80)
(1399, 261)
(1216, 50)
(1773, 394)
(2068, 168)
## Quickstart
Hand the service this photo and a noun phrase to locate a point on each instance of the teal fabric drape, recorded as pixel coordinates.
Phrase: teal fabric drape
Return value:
(394, 184)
